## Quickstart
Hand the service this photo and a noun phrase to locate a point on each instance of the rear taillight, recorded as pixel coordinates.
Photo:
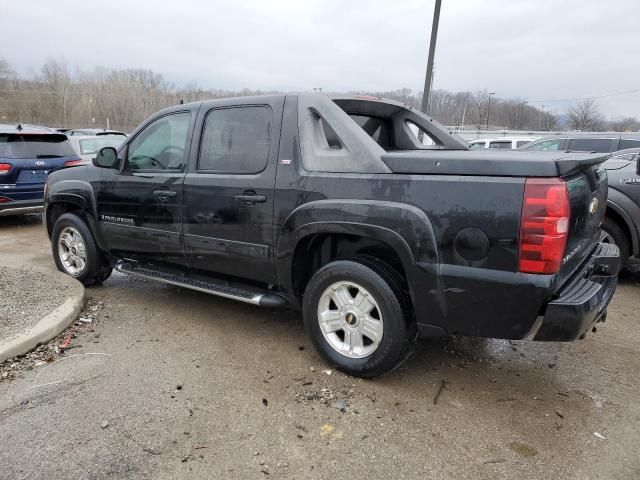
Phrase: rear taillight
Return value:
(544, 225)
(5, 200)
(71, 163)
(4, 168)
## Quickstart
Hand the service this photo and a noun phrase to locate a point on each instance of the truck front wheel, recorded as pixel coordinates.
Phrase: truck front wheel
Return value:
(76, 253)
(355, 318)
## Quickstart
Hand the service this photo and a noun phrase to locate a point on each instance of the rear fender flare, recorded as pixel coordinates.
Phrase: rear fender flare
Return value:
(405, 228)
(627, 209)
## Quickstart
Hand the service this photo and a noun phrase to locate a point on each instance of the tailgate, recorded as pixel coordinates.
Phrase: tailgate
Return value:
(588, 202)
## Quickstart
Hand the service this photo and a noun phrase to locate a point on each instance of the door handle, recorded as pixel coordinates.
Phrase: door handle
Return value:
(165, 193)
(250, 199)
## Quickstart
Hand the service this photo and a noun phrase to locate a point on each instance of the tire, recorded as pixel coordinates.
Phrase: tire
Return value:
(612, 232)
(88, 264)
(366, 355)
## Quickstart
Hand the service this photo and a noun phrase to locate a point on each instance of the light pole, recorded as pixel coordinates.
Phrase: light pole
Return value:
(542, 118)
(426, 92)
(489, 108)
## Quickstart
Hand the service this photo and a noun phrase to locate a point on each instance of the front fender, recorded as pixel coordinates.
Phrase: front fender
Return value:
(78, 193)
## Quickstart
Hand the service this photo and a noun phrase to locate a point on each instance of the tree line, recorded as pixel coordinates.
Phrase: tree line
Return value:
(59, 95)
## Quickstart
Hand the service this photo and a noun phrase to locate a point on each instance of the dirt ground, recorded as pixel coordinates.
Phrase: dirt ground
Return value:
(182, 384)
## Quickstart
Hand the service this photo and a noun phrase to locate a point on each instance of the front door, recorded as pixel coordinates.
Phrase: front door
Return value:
(140, 206)
(228, 192)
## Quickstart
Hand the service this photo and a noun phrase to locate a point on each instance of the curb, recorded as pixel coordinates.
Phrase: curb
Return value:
(48, 327)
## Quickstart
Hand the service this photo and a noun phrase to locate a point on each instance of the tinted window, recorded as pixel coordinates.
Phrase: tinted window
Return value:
(422, 137)
(503, 145)
(599, 145)
(236, 140)
(521, 143)
(92, 145)
(35, 146)
(627, 143)
(545, 145)
(476, 146)
(161, 145)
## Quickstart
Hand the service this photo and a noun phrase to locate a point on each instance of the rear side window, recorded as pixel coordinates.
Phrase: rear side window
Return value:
(236, 140)
(92, 145)
(476, 145)
(522, 143)
(628, 143)
(598, 145)
(501, 145)
(19, 145)
(545, 145)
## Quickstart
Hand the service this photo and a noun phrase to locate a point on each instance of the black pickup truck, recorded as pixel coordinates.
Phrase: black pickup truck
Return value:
(370, 217)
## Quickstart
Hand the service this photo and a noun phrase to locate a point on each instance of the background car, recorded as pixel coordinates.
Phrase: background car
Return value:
(622, 219)
(28, 154)
(93, 131)
(587, 142)
(500, 143)
(88, 145)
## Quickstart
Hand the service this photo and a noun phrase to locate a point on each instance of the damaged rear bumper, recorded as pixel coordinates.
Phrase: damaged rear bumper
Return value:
(583, 301)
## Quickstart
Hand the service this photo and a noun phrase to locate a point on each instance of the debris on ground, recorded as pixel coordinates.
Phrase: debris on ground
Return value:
(56, 347)
(340, 405)
(443, 383)
(599, 435)
(104, 424)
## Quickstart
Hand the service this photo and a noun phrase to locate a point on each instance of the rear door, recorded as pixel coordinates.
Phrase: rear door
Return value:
(140, 206)
(229, 190)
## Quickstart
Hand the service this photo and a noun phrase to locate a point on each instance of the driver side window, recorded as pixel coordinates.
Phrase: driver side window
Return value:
(161, 145)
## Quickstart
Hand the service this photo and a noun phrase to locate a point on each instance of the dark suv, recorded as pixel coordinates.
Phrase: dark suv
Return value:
(27, 155)
(622, 221)
(586, 142)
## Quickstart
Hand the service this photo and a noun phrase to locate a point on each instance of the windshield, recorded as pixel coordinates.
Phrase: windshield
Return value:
(19, 145)
(93, 145)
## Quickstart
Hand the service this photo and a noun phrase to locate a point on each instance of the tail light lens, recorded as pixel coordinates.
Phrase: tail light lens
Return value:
(544, 225)
(71, 163)
(4, 168)
(5, 200)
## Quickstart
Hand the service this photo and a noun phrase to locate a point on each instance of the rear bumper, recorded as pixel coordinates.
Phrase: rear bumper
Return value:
(583, 301)
(20, 207)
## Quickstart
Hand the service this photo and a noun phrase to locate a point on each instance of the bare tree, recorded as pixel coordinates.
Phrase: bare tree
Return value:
(586, 116)
(626, 124)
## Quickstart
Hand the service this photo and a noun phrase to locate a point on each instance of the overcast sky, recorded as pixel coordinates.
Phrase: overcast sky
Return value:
(538, 49)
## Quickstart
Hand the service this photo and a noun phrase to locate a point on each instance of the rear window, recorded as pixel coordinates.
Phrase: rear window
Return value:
(598, 145)
(501, 145)
(628, 143)
(92, 145)
(18, 145)
(377, 128)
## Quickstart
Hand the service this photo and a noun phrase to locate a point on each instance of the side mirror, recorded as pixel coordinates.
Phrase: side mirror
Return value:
(107, 157)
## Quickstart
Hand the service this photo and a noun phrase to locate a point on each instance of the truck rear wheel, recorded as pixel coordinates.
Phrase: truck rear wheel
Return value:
(76, 253)
(355, 318)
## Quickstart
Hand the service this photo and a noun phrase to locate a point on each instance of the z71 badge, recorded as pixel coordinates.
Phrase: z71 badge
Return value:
(631, 181)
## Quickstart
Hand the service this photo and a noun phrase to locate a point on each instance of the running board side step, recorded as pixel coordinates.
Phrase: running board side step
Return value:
(221, 289)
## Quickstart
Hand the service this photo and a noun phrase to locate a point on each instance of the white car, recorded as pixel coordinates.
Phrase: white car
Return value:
(507, 143)
(87, 146)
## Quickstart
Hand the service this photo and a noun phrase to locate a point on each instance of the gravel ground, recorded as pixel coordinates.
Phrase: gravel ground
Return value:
(27, 296)
(167, 383)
